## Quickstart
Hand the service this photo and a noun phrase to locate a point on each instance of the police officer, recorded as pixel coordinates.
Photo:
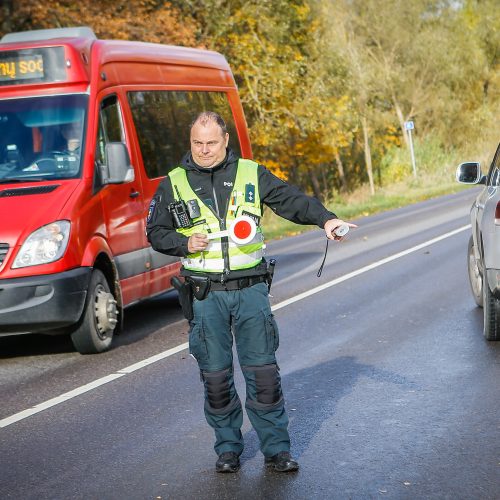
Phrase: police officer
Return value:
(219, 187)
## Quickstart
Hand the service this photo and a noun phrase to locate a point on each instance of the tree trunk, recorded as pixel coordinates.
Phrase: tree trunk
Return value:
(340, 168)
(316, 185)
(294, 176)
(326, 191)
(368, 155)
(401, 120)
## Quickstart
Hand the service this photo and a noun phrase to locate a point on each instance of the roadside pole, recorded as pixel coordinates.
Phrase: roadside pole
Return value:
(409, 126)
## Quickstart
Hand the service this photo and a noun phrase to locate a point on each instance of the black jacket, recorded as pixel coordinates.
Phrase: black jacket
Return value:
(214, 187)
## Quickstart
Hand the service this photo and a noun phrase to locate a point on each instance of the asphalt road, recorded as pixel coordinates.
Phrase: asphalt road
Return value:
(391, 390)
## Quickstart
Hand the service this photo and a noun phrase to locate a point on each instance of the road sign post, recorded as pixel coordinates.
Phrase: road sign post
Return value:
(409, 126)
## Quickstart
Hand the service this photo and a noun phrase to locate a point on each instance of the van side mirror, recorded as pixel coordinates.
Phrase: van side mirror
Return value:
(118, 168)
(469, 172)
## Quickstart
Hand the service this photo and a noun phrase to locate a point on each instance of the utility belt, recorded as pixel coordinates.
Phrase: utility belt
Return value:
(237, 284)
(199, 287)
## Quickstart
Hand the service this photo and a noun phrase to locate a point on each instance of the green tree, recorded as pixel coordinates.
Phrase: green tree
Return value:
(408, 60)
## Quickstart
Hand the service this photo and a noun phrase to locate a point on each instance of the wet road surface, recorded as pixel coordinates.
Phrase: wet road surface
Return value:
(391, 390)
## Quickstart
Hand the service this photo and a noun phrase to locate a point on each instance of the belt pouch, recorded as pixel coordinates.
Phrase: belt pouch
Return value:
(200, 286)
(185, 297)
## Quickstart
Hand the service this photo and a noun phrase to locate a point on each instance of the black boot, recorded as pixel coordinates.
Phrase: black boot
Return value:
(282, 462)
(227, 462)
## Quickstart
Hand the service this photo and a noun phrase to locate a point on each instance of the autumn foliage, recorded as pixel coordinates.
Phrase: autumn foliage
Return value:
(326, 86)
(145, 20)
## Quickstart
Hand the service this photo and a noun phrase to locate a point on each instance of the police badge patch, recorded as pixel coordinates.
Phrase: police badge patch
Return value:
(151, 211)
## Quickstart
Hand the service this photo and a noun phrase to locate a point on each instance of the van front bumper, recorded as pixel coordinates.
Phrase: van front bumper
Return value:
(39, 304)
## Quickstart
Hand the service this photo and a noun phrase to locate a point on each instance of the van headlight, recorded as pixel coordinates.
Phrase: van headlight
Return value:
(46, 244)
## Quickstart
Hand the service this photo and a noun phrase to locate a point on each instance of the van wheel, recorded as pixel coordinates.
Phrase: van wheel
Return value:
(94, 332)
(491, 309)
(475, 277)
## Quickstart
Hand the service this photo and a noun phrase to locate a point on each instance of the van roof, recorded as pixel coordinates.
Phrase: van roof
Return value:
(118, 50)
(37, 35)
(123, 51)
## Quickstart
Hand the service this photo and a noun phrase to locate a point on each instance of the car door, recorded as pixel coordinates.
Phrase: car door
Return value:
(488, 232)
(122, 207)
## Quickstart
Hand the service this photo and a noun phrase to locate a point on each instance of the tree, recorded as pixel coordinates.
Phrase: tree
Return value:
(143, 20)
(326, 86)
(412, 59)
(288, 85)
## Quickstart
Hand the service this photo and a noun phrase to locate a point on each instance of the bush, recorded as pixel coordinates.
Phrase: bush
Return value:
(431, 159)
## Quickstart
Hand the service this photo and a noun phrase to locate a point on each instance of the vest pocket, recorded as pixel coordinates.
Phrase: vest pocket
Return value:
(198, 342)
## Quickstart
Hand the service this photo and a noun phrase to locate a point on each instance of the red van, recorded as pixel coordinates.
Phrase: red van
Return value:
(88, 128)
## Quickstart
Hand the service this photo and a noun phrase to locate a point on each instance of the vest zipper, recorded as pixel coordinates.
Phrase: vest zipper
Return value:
(224, 240)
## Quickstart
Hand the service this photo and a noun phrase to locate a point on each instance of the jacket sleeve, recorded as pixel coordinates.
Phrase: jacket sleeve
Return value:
(289, 202)
(160, 227)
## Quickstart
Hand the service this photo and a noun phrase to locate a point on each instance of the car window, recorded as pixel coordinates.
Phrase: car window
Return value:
(494, 178)
(494, 173)
(162, 120)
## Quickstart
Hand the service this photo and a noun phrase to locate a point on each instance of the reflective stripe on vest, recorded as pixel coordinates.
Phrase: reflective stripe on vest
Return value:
(242, 199)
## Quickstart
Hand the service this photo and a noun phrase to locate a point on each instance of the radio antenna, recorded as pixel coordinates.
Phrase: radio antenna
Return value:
(178, 194)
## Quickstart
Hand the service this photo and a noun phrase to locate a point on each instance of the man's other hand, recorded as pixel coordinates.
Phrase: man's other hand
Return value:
(332, 224)
(197, 242)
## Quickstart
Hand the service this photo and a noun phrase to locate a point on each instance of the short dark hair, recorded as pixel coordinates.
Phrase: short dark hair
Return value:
(209, 116)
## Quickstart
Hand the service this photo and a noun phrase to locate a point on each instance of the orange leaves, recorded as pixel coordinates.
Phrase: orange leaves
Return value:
(275, 168)
(143, 20)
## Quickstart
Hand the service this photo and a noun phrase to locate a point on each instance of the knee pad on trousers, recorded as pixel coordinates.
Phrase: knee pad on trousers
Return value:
(218, 388)
(265, 382)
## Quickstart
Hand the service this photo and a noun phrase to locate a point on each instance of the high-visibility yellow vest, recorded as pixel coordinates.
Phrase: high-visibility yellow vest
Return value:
(222, 254)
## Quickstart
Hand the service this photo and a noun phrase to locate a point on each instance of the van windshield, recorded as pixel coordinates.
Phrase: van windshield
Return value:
(41, 137)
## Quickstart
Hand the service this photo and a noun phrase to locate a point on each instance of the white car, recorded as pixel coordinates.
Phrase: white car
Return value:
(484, 244)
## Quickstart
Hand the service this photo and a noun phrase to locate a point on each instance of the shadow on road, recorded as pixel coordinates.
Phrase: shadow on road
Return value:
(141, 320)
(34, 345)
(312, 395)
(149, 316)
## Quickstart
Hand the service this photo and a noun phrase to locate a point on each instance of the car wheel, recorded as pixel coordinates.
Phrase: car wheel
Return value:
(475, 276)
(491, 309)
(94, 332)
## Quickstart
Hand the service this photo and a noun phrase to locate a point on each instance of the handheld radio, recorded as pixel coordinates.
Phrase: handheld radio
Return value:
(180, 212)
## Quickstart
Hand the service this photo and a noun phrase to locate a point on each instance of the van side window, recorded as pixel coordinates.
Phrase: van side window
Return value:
(162, 120)
(110, 130)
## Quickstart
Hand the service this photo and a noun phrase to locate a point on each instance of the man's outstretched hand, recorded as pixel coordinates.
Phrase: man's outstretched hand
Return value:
(333, 224)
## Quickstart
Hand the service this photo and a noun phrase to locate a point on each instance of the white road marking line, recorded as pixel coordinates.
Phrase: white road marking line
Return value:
(90, 386)
(369, 267)
(170, 352)
(154, 359)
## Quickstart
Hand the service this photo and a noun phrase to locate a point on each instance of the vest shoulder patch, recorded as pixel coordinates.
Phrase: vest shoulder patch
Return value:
(151, 210)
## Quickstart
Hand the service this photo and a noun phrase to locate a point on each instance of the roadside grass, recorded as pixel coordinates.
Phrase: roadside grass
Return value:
(436, 177)
(360, 203)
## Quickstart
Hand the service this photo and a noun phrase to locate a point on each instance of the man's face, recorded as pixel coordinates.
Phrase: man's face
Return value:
(208, 144)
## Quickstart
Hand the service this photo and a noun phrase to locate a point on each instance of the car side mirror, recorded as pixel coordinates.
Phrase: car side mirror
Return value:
(118, 168)
(469, 172)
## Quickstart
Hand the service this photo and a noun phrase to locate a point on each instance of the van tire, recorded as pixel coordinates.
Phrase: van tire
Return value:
(94, 332)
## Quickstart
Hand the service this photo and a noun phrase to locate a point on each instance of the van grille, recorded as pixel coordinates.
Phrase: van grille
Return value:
(30, 190)
(4, 248)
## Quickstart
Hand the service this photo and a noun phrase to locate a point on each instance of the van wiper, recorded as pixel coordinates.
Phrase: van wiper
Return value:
(22, 179)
